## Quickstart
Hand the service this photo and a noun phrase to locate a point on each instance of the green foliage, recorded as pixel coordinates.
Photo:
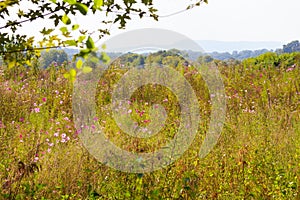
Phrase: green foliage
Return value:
(61, 13)
(271, 59)
(291, 47)
(53, 57)
(205, 59)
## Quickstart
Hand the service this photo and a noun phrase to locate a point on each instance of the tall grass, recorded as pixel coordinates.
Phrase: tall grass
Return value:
(257, 155)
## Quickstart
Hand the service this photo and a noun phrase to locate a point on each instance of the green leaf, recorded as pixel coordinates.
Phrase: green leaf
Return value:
(81, 38)
(84, 53)
(72, 2)
(72, 72)
(71, 42)
(98, 4)
(90, 43)
(87, 69)
(46, 31)
(67, 75)
(79, 64)
(83, 9)
(11, 64)
(65, 19)
(103, 46)
(105, 58)
(75, 27)
(63, 29)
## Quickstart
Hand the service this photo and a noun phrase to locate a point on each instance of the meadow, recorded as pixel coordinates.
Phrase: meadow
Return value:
(257, 155)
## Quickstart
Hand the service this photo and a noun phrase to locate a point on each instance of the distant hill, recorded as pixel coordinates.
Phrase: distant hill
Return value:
(225, 50)
(226, 46)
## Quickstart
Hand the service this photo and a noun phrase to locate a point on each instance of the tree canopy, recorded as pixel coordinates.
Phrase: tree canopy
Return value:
(18, 49)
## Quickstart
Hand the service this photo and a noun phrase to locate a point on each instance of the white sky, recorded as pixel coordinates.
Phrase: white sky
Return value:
(223, 20)
(231, 20)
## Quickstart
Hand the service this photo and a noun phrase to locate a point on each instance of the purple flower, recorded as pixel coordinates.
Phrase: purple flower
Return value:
(36, 159)
(290, 69)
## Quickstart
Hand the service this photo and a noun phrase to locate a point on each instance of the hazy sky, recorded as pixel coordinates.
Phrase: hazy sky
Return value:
(230, 20)
(224, 20)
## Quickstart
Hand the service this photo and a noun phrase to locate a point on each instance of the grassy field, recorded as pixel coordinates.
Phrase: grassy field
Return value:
(257, 155)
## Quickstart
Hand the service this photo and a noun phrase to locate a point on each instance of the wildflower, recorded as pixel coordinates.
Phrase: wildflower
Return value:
(290, 69)
(142, 113)
(36, 159)
(55, 134)
(50, 144)
(66, 118)
(61, 102)
(21, 119)
(48, 150)
(129, 111)
(44, 99)
(63, 140)
(36, 110)
(77, 132)
(95, 119)
(20, 136)
(147, 121)
(165, 100)
(63, 135)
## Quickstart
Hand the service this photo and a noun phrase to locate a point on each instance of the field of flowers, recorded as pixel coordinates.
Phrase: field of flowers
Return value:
(257, 155)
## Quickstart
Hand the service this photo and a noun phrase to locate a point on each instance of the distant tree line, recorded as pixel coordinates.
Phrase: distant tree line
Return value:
(291, 47)
(171, 57)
